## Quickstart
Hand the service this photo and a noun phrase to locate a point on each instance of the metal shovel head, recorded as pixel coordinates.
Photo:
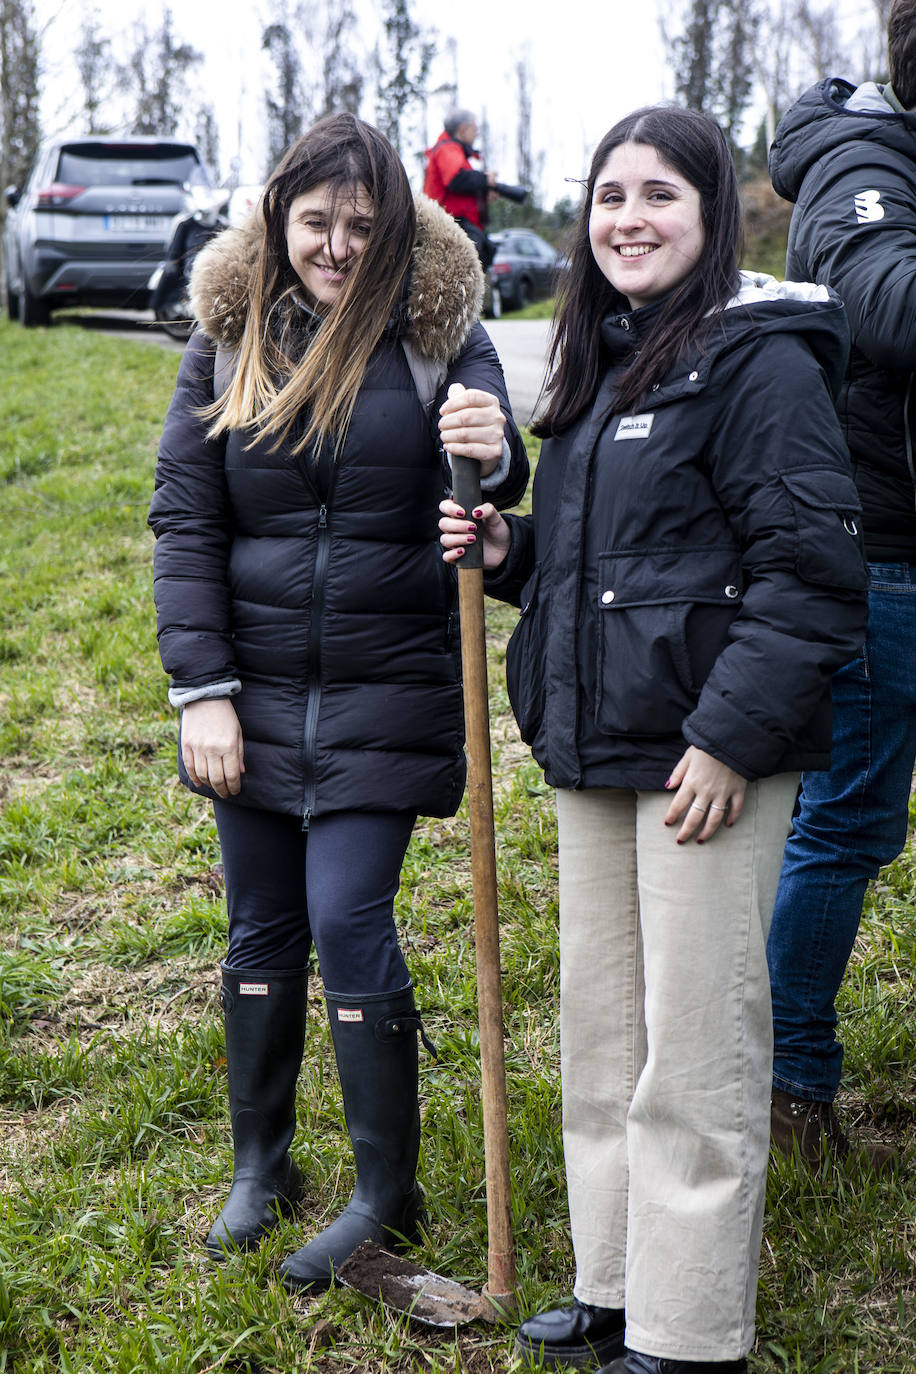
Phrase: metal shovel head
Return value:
(425, 1296)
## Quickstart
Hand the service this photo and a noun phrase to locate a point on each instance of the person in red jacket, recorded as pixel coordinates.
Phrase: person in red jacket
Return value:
(459, 188)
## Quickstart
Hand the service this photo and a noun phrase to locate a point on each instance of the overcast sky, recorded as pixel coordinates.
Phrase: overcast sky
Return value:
(591, 64)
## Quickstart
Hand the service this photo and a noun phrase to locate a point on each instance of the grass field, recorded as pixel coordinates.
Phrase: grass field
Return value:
(114, 1143)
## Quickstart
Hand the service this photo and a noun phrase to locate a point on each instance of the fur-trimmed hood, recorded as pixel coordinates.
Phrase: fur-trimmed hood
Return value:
(444, 297)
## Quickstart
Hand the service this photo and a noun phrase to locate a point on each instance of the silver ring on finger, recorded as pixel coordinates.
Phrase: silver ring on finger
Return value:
(695, 807)
(713, 807)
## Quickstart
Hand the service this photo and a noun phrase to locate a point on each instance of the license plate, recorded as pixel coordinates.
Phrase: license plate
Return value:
(138, 224)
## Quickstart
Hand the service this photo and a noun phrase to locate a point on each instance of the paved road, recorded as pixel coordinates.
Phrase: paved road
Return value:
(522, 348)
(521, 345)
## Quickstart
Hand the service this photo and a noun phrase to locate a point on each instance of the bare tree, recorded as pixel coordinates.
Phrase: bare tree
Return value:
(287, 112)
(206, 136)
(341, 74)
(773, 63)
(524, 83)
(402, 60)
(95, 69)
(155, 73)
(819, 37)
(20, 129)
(20, 73)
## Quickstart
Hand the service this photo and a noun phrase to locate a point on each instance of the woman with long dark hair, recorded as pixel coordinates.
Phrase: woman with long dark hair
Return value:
(309, 628)
(689, 579)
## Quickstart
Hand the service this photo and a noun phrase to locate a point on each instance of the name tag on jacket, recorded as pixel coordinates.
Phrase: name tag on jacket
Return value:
(634, 427)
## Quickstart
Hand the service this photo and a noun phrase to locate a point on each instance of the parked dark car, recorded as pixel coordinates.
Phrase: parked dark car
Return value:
(94, 219)
(523, 269)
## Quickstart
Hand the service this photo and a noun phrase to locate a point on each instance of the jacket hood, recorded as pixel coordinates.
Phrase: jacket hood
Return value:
(826, 117)
(444, 296)
(761, 305)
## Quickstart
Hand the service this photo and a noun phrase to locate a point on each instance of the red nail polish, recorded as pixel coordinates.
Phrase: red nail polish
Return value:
(477, 514)
(668, 782)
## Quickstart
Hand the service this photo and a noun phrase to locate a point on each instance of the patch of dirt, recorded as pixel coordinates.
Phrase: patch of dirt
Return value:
(25, 779)
(161, 995)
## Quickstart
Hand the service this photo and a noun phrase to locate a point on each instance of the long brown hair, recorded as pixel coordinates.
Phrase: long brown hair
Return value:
(695, 146)
(272, 387)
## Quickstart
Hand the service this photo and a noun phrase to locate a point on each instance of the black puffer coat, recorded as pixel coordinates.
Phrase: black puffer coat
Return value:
(848, 160)
(320, 584)
(693, 574)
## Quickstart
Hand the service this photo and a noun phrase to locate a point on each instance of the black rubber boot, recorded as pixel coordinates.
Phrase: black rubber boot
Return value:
(375, 1041)
(264, 1011)
(634, 1363)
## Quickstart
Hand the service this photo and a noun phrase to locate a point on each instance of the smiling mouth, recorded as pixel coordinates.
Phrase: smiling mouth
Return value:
(331, 273)
(635, 250)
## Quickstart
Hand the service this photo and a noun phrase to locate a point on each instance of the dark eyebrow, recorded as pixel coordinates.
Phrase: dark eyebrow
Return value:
(669, 185)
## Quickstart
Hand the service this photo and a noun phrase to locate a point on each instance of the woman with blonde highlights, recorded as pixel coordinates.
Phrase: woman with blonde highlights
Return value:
(308, 625)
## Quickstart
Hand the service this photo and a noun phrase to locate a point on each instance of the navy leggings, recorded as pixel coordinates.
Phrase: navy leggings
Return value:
(334, 884)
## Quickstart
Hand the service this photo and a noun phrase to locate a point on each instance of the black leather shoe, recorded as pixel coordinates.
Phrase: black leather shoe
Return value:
(575, 1337)
(634, 1363)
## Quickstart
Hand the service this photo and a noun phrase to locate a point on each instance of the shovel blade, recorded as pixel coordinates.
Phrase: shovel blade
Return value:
(424, 1295)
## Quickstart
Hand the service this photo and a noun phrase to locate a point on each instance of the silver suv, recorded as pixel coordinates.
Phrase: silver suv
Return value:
(93, 221)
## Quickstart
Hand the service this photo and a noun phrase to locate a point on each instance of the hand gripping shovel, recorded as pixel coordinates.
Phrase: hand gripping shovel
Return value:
(371, 1270)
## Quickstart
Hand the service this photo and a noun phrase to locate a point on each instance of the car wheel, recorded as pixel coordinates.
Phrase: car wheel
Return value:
(523, 293)
(496, 303)
(12, 301)
(177, 328)
(32, 309)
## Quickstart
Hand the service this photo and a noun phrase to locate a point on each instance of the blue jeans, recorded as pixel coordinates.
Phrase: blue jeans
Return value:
(851, 821)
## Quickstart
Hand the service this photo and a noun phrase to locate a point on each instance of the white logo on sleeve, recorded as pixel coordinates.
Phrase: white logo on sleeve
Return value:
(634, 427)
(868, 206)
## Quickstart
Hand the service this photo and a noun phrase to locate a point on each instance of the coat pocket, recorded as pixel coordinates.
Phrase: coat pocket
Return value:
(663, 619)
(526, 655)
(828, 528)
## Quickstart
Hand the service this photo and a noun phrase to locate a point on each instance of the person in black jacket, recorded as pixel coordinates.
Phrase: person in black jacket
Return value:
(847, 158)
(308, 625)
(690, 577)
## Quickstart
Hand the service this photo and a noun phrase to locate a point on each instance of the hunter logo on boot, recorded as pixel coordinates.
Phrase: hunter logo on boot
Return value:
(254, 989)
(349, 1014)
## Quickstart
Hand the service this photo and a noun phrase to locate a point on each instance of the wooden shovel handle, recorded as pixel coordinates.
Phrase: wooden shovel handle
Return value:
(501, 1251)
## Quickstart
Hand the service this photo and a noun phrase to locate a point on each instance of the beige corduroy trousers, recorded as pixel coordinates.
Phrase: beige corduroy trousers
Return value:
(666, 1052)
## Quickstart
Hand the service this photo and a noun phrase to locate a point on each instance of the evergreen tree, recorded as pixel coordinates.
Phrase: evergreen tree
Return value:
(713, 61)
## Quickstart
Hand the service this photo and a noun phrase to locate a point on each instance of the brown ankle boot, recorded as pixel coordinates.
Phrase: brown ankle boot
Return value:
(814, 1130)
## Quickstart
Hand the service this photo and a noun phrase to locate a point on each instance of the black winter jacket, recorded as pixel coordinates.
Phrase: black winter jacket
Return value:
(848, 160)
(693, 574)
(319, 584)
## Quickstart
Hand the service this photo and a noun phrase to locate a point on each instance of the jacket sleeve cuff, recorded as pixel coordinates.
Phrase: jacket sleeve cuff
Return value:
(505, 583)
(734, 738)
(499, 474)
(181, 696)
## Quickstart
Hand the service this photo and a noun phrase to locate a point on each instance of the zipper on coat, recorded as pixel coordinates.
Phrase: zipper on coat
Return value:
(310, 729)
